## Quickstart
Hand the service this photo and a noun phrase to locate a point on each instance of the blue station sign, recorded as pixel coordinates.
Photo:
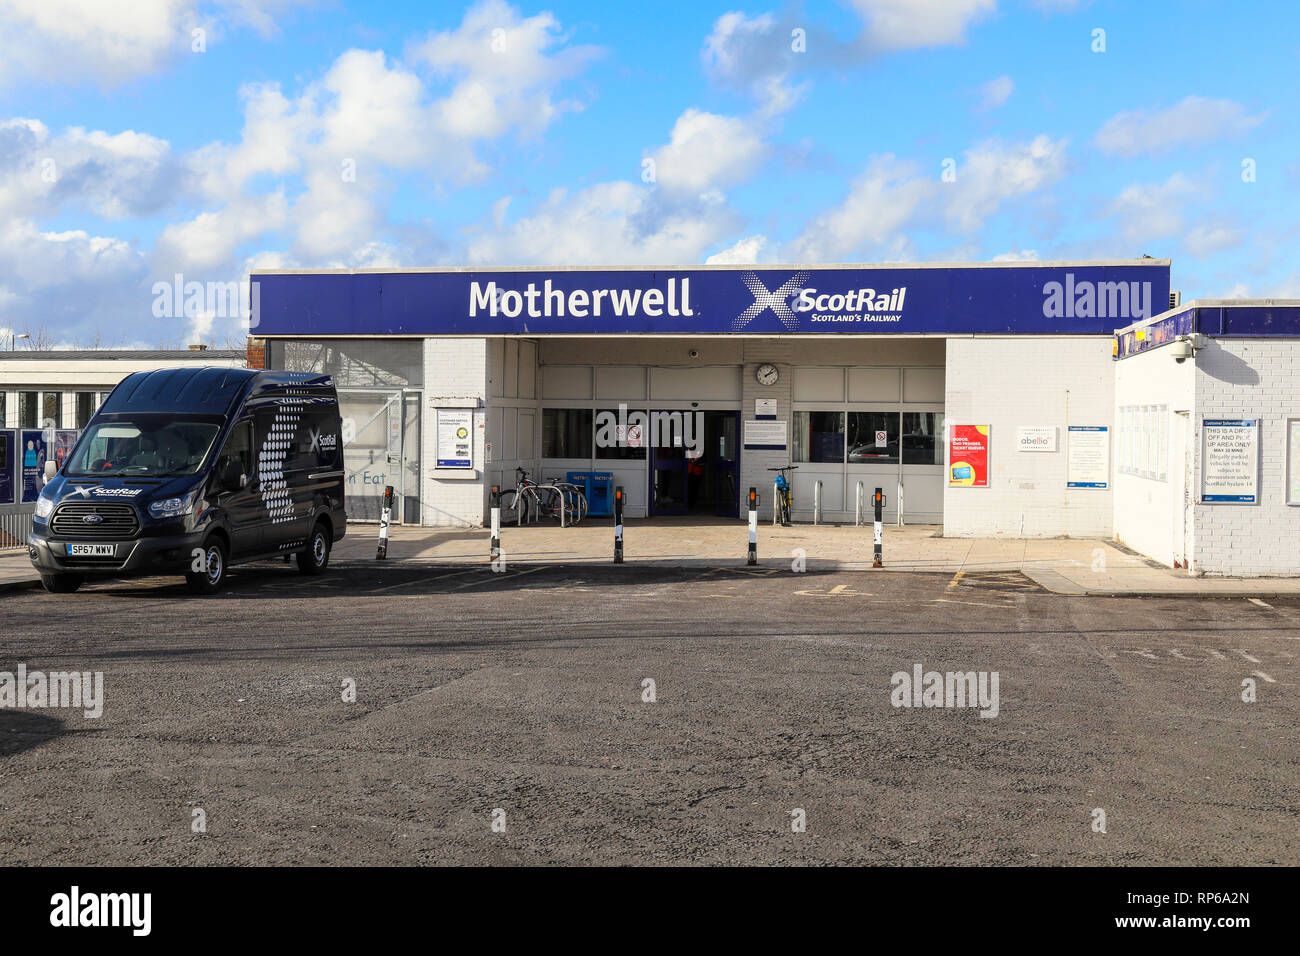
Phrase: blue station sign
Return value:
(1083, 298)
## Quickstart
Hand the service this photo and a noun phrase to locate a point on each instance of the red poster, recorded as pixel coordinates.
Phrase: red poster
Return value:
(968, 456)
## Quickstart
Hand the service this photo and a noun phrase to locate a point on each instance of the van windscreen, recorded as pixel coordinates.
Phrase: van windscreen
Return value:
(146, 445)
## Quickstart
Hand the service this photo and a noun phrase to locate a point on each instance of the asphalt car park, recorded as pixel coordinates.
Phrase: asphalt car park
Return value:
(507, 718)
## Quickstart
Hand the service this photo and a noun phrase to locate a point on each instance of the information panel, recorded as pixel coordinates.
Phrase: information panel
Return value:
(33, 452)
(1230, 461)
(455, 438)
(8, 438)
(764, 434)
(968, 456)
(1089, 457)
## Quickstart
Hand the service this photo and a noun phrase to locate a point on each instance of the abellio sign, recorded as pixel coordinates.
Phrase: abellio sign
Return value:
(1013, 298)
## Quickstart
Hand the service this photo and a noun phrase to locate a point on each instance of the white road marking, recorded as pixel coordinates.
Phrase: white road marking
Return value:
(1262, 676)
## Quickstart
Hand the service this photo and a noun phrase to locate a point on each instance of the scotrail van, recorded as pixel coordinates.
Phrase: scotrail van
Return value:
(192, 470)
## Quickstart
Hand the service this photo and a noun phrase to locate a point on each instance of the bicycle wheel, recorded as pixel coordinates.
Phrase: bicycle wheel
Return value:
(514, 507)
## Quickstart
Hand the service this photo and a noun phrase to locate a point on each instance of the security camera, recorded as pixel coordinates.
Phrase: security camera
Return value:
(694, 353)
(1182, 350)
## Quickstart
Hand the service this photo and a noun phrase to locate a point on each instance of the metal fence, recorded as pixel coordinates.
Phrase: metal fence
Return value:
(15, 526)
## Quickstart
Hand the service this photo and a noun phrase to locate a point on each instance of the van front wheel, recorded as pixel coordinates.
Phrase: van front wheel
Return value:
(315, 558)
(213, 575)
(61, 583)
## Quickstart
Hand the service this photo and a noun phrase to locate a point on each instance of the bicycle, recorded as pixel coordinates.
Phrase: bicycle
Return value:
(557, 499)
(781, 507)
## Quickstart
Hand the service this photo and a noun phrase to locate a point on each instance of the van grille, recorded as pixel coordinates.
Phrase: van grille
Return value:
(119, 520)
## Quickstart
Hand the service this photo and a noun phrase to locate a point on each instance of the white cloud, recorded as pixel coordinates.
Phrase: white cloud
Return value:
(996, 92)
(993, 173)
(115, 176)
(748, 251)
(1017, 255)
(1191, 121)
(884, 200)
(1207, 238)
(113, 41)
(1146, 211)
(706, 151)
(606, 224)
(755, 54)
(913, 24)
(505, 71)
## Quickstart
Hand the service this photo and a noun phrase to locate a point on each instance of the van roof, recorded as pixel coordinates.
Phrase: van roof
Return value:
(204, 391)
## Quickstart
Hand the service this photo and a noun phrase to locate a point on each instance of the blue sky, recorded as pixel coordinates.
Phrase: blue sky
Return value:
(337, 133)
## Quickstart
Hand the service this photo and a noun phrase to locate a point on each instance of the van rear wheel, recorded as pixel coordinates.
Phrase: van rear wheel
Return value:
(61, 583)
(213, 575)
(315, 558)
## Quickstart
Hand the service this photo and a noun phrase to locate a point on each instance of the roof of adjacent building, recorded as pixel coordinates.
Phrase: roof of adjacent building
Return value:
(122, 355)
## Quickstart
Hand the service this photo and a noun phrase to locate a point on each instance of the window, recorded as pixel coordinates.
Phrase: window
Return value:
(819, 437)
(1144, 441)
(239, 447)
(566, 432)
(622, 447)
(85, 408)
(151, 445)
(3, 410)
(28, 410)
(52, 410)
(922, 438)
(873, 438)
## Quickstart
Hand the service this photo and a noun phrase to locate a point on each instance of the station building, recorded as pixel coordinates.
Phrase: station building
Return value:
(987, 399)
(797, 365)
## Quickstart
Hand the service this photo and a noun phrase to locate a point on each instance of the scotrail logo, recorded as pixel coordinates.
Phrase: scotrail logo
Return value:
(792, 299)
(1084, 299)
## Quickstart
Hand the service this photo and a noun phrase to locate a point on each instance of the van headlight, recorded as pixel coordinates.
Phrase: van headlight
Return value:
(171, 507)
(44, 506)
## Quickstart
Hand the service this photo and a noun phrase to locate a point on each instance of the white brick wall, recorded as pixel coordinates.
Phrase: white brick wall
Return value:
(1028, 380)
(455, 375)
(1250, 378)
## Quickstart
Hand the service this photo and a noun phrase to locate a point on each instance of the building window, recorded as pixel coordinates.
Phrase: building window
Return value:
(819, 437)
(629, 444)
(4, 411)
(1144, 441)
(52, 410)
(922, 438)
(566, 432)
(873, 438)
(28, 409)
(85, 408)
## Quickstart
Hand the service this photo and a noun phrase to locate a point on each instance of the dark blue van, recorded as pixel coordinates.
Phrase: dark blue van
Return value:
(193, 470)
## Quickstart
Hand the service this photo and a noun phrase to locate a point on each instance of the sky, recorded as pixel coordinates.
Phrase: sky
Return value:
(154, 143)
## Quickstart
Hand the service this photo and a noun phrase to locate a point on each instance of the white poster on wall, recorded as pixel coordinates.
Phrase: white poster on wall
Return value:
(1088, 464)
(455, 438)
(1293, 461)
(764, 434)
(1036, 438)
(1230, 461)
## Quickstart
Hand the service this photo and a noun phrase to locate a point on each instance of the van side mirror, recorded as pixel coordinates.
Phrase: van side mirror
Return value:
(51, 469)
(232, 475)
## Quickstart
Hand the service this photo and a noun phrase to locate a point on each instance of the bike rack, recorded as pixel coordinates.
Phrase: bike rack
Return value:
(857, 507)
(817, 502)
(898, 506)
(776, 503)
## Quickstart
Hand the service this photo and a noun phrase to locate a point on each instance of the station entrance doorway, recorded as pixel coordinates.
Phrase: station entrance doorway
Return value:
(704, 484)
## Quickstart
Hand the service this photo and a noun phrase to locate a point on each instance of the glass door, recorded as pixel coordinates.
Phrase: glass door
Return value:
(723, 446)
(667, 478)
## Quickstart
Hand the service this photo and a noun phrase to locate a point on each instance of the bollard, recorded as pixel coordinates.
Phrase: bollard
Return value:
(385, 517)
(753, 526)
(618, 525)
(496, 523)
(880, 504)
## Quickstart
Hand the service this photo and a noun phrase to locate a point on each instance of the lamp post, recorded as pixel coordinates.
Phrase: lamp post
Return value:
(13, 336)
